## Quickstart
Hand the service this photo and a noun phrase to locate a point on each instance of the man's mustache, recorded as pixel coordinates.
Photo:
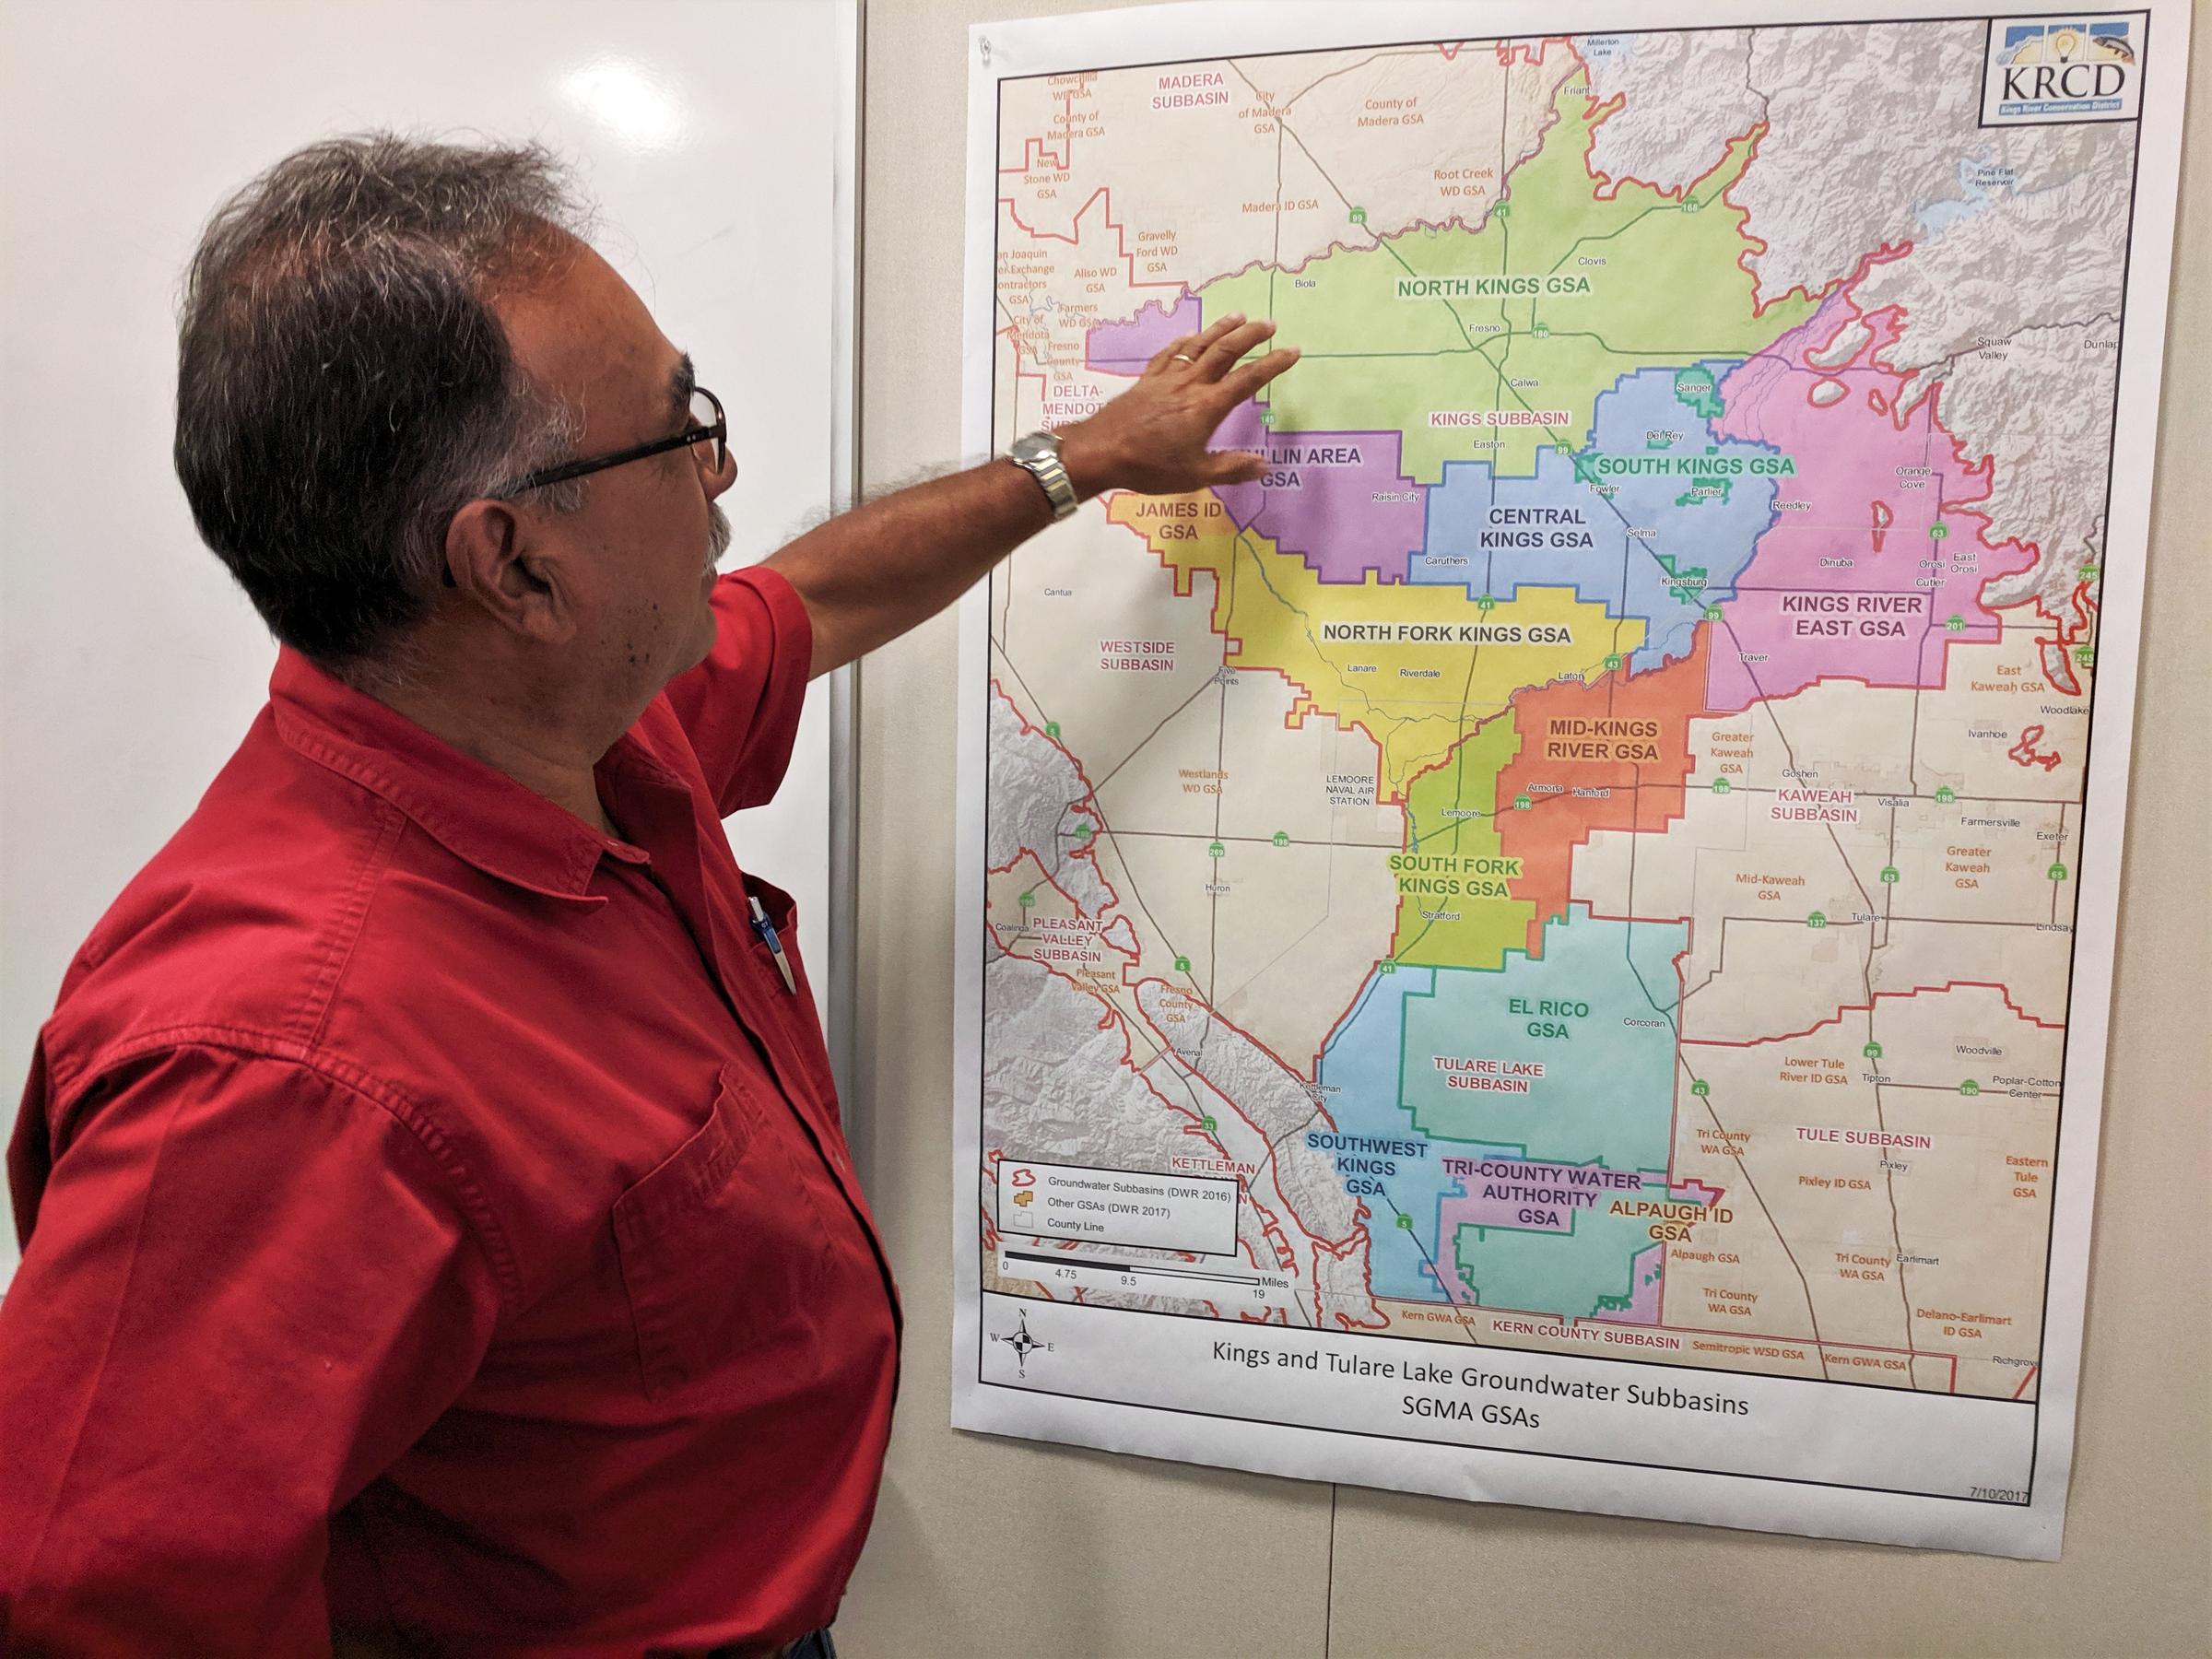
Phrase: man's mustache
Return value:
(718, 533)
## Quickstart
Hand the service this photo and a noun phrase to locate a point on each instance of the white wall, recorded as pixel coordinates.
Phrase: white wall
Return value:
(129, 665)
(986, 1547)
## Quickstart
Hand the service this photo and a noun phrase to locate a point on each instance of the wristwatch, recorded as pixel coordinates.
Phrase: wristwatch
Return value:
(1038, 455)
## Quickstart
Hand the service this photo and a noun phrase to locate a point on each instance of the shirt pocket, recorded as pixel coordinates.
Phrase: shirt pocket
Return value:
(722, 1254)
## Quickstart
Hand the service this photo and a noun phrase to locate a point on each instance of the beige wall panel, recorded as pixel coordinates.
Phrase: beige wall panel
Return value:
(986, 1547)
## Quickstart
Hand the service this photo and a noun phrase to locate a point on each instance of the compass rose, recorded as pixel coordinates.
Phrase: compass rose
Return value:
(1023, 1344)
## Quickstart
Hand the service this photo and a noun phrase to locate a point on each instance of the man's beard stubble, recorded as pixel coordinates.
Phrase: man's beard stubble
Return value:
(718, 534)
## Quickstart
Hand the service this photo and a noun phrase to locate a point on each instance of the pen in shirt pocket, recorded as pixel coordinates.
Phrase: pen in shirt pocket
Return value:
(767, 930)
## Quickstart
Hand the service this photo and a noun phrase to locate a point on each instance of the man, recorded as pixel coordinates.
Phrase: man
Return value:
(436, 1221)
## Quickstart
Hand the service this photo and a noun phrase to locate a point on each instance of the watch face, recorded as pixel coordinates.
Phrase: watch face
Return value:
(1035, 446)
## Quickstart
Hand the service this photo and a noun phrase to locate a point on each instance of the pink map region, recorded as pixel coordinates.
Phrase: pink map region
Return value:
(1530, 1197)
(1336, 499)
(1504, 1188)
(1645, 1274)
(1124, 347)
(1872, 553)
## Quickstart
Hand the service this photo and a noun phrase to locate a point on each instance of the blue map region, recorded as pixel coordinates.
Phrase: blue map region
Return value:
(1361, 1064)
(1595, 1012)
(1492, 534)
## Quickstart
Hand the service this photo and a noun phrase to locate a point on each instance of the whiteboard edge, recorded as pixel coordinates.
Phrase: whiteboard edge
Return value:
(840, 992)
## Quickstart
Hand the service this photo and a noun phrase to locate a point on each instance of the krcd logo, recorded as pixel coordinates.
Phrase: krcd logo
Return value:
(2046, 70)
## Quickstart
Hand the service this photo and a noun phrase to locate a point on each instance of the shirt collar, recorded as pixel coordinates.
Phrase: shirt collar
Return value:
(473, 810)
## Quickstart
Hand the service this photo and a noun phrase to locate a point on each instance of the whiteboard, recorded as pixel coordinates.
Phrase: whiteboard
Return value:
(715, 139)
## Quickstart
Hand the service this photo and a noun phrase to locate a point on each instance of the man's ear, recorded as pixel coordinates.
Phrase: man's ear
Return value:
(500, 565)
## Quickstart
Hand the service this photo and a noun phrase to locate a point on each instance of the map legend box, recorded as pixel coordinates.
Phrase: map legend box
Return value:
(1196, 1213)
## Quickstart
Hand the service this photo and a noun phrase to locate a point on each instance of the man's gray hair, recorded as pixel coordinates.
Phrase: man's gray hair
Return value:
(344, 385)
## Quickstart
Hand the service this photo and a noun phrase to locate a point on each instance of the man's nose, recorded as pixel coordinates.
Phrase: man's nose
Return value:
(718, 480)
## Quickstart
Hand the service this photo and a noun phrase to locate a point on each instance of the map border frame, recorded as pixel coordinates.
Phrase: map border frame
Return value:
(2031, 1527)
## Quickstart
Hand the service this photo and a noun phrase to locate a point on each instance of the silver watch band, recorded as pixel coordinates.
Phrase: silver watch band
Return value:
(1038, 455)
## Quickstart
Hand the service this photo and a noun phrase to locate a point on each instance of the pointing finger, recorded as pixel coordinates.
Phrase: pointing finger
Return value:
(1190, 348)
(1215, 329)
(1235, 467)
(1183, 345)
(1222, 353)
(1197, 350)
(1241, 384)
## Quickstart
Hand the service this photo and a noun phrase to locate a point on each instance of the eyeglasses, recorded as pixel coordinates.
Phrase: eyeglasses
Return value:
(707, 437)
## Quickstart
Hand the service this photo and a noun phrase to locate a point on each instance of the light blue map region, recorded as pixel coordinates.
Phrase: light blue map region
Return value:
(1361, 1064)
(1595, 1011)
(1492, 534)
(1983, 182)
(1564, 1068)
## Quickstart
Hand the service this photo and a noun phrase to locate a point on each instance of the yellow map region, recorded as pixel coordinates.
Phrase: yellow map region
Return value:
(1416, 668)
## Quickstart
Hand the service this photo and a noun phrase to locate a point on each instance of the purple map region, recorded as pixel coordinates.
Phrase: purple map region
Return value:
(1336, 499)
(1645, 1272)
(1125, 348)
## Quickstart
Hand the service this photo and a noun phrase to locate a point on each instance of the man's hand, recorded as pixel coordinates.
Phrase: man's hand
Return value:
(1153, 438)
(869, 575)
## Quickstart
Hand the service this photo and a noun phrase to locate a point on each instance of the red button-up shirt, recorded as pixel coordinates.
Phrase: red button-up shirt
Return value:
(435, 1215)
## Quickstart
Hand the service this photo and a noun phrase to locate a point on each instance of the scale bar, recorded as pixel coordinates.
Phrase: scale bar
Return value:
(1094, 1262)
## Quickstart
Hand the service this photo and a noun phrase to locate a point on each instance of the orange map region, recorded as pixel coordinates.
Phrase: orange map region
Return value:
(1610, 755)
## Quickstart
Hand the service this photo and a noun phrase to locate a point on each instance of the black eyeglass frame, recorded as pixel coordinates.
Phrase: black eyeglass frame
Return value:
(719, 431)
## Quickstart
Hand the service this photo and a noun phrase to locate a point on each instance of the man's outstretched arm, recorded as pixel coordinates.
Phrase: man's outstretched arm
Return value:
(868, 575)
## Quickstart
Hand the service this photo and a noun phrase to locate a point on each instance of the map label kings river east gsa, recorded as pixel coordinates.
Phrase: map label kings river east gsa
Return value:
(1556, 947)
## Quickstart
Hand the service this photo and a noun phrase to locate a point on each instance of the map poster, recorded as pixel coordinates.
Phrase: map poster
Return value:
(1556, 947)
